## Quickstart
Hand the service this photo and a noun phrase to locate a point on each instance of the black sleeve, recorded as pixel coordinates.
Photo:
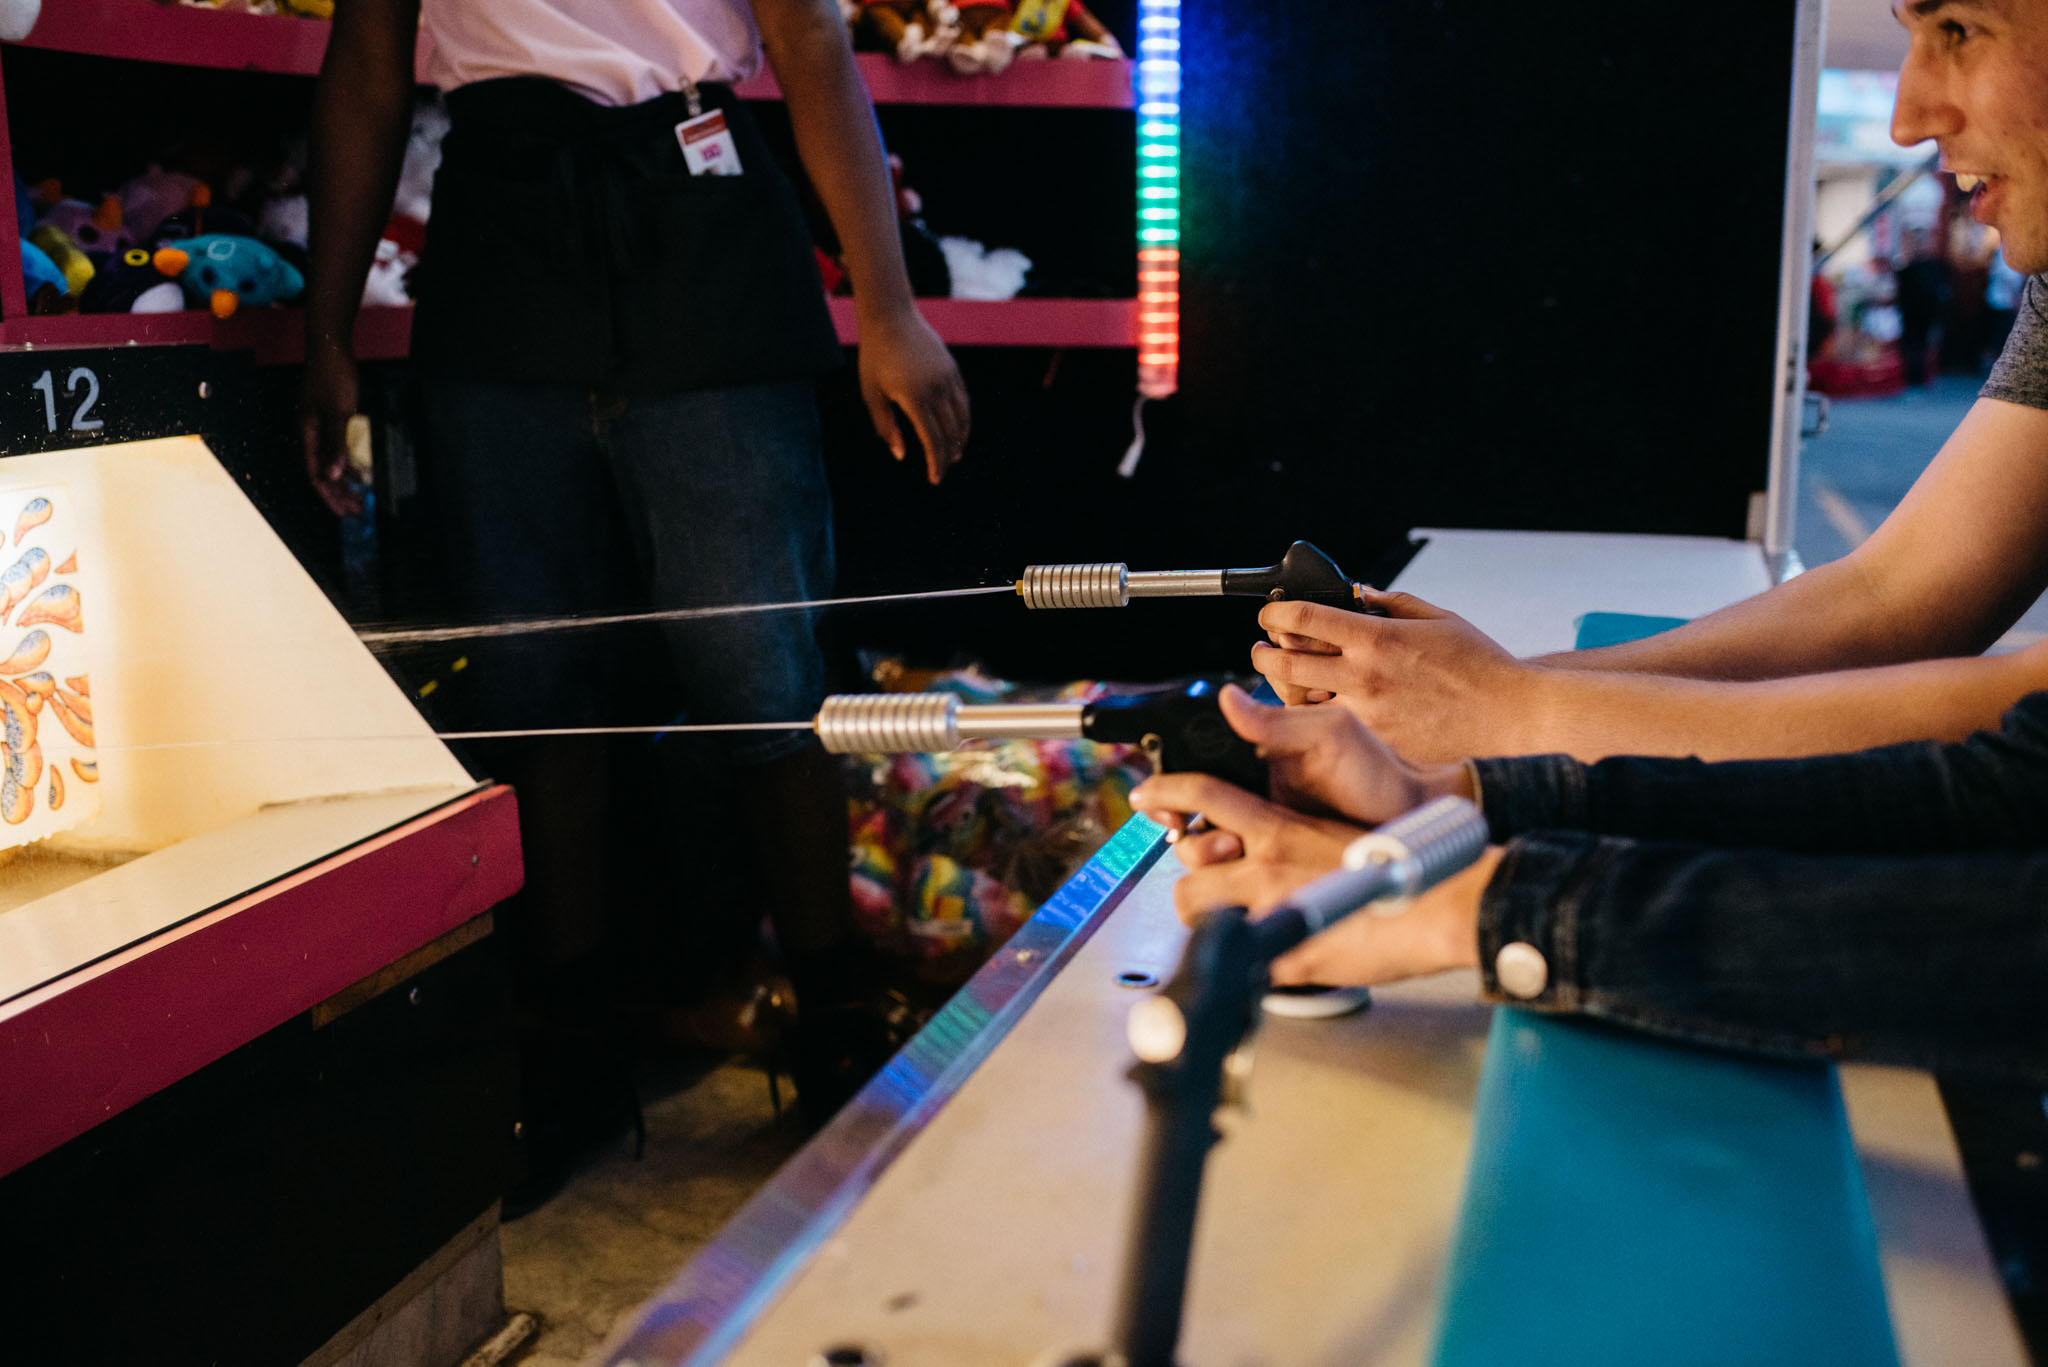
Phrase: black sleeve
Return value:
(1989, 792)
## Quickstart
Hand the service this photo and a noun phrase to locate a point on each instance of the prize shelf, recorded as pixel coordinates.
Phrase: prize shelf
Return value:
(153, 31)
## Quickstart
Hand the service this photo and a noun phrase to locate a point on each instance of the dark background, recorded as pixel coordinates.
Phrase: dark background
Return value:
(1464, 265)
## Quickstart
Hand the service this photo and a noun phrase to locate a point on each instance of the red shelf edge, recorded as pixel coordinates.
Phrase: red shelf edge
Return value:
(1016, 322)
(277, 335)
(94, 1044)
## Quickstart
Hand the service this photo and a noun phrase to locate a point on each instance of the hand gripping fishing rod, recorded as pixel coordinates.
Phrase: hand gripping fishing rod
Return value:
(1304, 573)
(1188, 1038)
(1180, 728)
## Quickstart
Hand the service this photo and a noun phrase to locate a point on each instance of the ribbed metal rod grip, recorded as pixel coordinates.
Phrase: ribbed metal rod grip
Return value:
(1074, 586)
(888, 723)
(892, 723)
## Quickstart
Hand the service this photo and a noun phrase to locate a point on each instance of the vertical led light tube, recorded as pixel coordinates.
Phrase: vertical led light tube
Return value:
(1158, 91)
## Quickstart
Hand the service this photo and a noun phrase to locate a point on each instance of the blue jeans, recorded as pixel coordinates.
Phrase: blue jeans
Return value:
(559, 501)
(1888, 904)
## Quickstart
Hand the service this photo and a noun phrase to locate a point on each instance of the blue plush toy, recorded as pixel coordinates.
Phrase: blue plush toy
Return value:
(223, 272)
(39, 272)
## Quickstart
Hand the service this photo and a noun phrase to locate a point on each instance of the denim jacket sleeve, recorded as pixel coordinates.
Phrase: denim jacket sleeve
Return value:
(1890, 904)
(1989, 792)
(1937, 961)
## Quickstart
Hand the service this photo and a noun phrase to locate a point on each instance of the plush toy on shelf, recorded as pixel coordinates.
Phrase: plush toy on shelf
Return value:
(398, 251)
(223, 272)
(1063, 28)
(18, 18)
(131, 283)
(152, 197)
(98, 230)
(48, 291)
(75, 266)
(202, 218)
(906, 29)
(405, 232)
(984, 41)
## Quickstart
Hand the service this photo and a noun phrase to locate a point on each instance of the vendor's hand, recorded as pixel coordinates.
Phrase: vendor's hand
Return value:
(1254, 852)
(903, 364)
(1437, 932)
(1426, 681)
(327, 400)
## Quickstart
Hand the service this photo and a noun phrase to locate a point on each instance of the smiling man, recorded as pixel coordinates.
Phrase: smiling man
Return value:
(1976, 80)
(1880, 646)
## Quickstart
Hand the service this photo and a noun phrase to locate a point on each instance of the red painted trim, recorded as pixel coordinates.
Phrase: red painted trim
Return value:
(90, 1046)
(1054, 84)
(147, 31)
(1017, 322)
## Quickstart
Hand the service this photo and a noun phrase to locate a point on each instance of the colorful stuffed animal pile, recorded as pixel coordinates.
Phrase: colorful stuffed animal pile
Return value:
(980, 36)
(160, 243)
(952, 852)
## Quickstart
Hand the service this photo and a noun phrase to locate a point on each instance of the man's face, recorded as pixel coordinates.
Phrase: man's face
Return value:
(1976, 79)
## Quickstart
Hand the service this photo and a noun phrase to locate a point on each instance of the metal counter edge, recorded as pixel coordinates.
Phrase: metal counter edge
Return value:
(724, 1290)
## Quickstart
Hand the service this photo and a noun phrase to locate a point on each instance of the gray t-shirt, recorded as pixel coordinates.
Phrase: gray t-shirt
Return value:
(2021, 375)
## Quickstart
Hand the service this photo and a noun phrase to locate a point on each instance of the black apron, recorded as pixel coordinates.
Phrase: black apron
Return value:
(570, 246)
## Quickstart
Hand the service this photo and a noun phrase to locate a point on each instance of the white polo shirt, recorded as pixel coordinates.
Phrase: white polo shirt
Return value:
(615, 52)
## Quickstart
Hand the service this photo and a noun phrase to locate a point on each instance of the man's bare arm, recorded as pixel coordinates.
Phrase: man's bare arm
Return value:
(1947, 573)
(1593, 714)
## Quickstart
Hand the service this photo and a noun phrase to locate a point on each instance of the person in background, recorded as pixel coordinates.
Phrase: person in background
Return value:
(1922, 278)
(618, 327)
(1879, 646)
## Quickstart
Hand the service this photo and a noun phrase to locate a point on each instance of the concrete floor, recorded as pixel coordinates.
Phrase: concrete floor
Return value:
(623, 1227)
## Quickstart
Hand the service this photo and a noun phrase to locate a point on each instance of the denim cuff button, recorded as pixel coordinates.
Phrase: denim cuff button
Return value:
(1522, 970)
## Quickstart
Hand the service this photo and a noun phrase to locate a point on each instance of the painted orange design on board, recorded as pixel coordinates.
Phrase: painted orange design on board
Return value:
(70, 565)
(56, 788)
(34, 515)
(37, 688)
(59, 605)
(81, 684)
(81, 706)
(79, 727)
(22, 576)
(33, 650)
(88, 770)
